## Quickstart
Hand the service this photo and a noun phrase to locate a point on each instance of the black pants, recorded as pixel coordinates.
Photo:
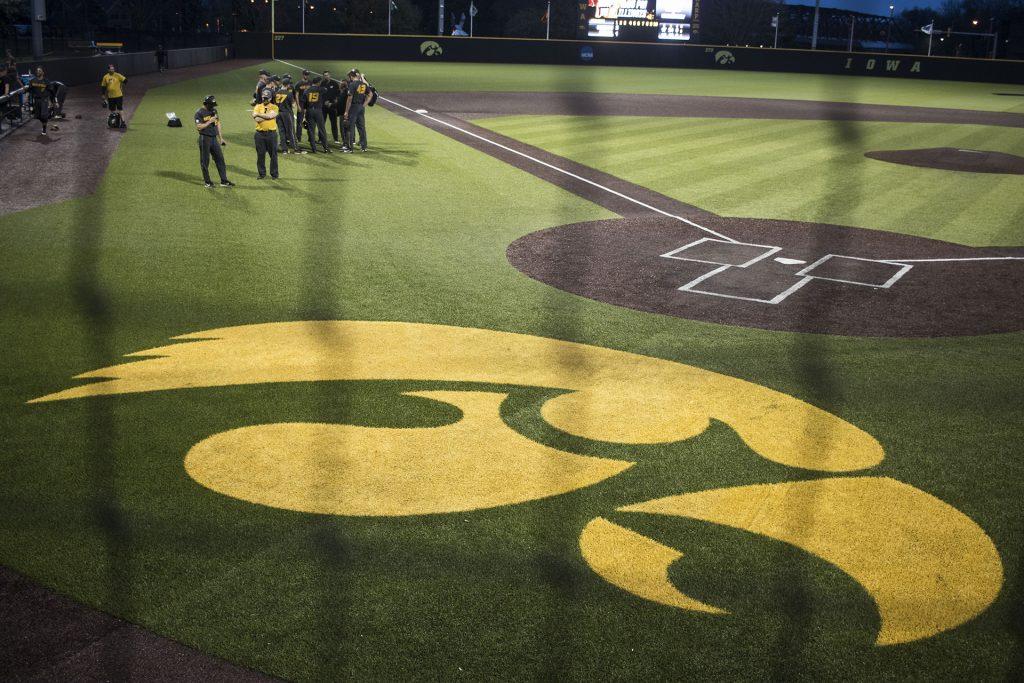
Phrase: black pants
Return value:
(209, 147)
(266, 143)
(41, 111)
(299, 116)
(315, 127)
(286, 130)
(356, 121)
(332, 115)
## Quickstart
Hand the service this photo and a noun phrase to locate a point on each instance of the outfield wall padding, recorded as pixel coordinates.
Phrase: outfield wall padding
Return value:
(86, 70)
(294, 46)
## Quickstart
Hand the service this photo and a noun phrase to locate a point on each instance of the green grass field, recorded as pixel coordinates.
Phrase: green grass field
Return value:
(99, 506)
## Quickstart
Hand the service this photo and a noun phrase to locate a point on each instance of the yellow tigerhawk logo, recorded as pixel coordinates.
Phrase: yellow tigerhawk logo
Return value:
(928, 567)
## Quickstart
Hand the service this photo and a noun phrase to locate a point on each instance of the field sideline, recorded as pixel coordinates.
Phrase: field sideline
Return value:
(566, 441)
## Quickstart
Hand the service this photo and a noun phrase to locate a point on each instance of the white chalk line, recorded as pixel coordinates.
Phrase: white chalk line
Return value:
(898, 261)
(547, 165)
(563, 171)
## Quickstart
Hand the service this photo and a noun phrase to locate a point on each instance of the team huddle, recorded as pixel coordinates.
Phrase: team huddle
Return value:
(282, 110)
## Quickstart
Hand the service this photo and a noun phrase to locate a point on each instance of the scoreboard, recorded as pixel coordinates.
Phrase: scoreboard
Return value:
(639, 20)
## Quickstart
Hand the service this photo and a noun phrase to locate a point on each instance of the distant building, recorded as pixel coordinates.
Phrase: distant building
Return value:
(869, 30)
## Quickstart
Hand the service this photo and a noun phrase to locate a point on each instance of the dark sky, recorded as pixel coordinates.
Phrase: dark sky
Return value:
(870, 6)
(879, 7)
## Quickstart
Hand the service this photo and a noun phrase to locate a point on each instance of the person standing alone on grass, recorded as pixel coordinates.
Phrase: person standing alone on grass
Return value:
(265, 115)
(355, 110)
(40, 97)
(210, 142)
(161, 58)
(313, 106)
(113, 93)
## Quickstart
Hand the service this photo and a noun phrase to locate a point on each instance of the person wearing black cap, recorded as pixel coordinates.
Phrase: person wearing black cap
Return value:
(300, 104)
(210, 142)
(332, 91)
(355, 110)
(261, 84)
(313, 104)
(284, 98)
(40, 94)
(265, 116)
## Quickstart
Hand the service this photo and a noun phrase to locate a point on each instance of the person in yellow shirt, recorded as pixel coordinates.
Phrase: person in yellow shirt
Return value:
(112, 88)
(265, 116)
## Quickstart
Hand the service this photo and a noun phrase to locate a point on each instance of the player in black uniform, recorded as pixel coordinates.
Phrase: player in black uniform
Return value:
(284, 98)
(210, 142)
(313, 105)
(332, 92)
(355, 110)
(300, 104)
(261, 85)
(40, 97)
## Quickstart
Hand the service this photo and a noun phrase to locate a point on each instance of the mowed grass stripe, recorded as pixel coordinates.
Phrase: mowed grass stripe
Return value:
(802, 170)
(423, 77)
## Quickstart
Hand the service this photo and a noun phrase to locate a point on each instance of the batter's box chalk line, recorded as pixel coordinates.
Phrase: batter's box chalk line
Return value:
(697, 252)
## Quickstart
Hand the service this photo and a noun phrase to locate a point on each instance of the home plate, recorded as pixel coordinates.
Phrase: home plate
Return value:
(790, 261)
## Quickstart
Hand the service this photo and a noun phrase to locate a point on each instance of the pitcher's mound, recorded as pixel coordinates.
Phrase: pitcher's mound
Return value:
(953, 159)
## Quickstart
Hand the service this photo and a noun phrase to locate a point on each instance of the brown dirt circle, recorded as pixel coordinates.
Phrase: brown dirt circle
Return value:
(622, 262)
(953, 159)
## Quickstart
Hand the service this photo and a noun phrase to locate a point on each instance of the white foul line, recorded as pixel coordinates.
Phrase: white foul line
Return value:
(563, 171)
(898, 261)
(547, 165)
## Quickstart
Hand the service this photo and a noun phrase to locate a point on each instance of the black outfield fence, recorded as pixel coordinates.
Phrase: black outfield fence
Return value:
(525, 51)
(83, 70)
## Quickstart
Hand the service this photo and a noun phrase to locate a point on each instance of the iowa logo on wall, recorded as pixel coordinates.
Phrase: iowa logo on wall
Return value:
(430, 48)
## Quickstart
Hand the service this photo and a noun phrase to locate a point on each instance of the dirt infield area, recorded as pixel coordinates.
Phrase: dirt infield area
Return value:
(676, 259)
(780, 275)
(71, 161)
(952, 159)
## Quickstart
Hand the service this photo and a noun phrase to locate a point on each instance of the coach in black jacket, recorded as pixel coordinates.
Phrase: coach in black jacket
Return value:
(331, 90)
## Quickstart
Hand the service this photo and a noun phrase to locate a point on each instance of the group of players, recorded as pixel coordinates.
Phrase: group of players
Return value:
(281, 110)
(46, 97)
